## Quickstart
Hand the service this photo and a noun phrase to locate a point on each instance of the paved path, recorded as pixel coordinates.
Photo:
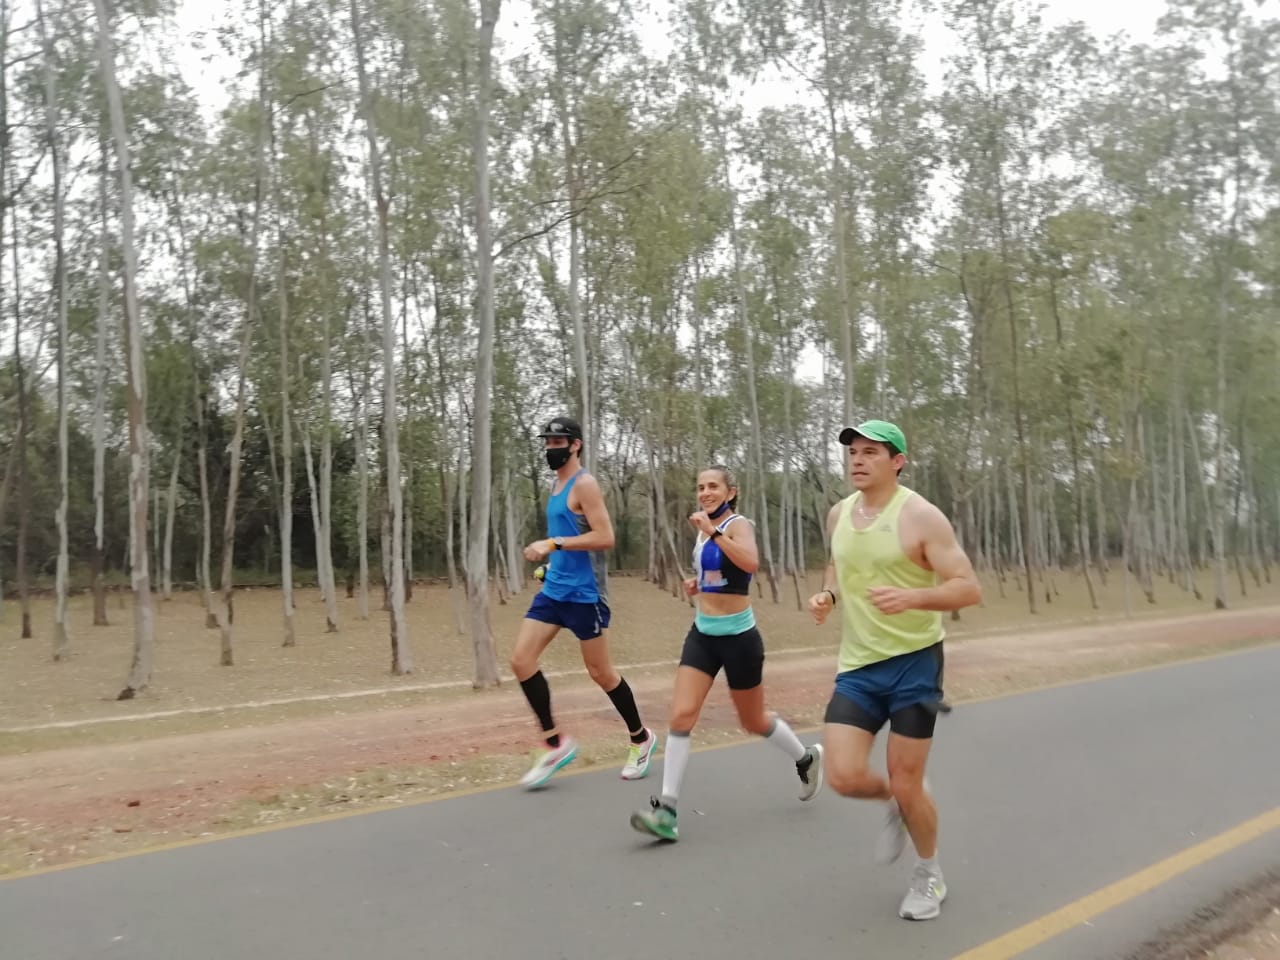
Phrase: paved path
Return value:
(1045, 797)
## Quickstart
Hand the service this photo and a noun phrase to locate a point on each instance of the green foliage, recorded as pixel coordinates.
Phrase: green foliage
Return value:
(1102, 211)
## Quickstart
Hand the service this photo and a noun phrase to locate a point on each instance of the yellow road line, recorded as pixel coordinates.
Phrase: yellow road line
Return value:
(1032, 934)
(576, 771)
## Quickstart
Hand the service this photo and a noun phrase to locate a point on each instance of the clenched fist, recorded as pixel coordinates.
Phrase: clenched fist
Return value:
(891, 600)
(820, 605)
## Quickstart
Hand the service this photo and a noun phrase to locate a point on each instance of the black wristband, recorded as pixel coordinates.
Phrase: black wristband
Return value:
(715, 533)
(831, 595)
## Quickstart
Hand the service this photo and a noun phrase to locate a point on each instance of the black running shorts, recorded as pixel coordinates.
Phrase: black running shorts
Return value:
(740, 654)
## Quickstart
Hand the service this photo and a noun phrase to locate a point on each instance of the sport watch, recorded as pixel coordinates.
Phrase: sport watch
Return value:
(559, 542)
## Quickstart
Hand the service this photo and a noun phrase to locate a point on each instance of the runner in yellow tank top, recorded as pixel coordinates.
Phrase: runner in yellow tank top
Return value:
(895, 567)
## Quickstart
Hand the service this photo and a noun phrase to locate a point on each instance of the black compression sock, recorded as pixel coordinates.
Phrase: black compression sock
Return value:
(624, 702)
(538, 693)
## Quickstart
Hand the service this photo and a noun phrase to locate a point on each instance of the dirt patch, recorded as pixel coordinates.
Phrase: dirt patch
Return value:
(1243, 924)
(97, 797)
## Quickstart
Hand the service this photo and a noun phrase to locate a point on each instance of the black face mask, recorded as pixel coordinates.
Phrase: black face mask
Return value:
(557, 457)
(719, 511)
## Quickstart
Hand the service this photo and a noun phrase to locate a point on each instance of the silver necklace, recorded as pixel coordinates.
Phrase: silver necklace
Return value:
(863, 513)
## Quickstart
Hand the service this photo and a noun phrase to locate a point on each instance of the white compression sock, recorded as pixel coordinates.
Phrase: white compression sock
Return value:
(674, 759)
(785, 739)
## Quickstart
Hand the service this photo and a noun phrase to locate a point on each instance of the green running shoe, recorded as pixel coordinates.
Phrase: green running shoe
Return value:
(659, 820)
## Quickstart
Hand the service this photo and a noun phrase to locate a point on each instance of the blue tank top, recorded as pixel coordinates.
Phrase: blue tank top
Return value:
(574, 576)
(717, 573)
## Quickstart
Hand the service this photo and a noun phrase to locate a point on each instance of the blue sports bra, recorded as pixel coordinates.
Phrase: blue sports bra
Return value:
(717, 573)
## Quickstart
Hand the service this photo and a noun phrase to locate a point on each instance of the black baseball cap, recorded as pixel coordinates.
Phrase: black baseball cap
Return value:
(562, 427)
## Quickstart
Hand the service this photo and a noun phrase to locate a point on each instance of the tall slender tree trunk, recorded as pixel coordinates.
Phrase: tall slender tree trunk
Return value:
(1024, 456)
(384, 554)
(450, 479)
(513, 548)
(573, 177)
(1101, 544)
(206, 514)
(1126, 555)
(500, 555)
(171, 510)
(748, 348)
(456, 501)
(10, 466)
(486, 661)
(401, 656)
(1219, 512)
(1051, 541)
(699, 365)
(1184, 512)
(1257, 558)
(324, 548)
(24, 427)
(6, 487)
(1143, 518)
(1198, 469)
(203, 564)
(788, 551)
(225, 612)
(157, 528)
(100, 398)
(1077, 481)
(286, 413)
(410, 419)
(362, 491)
(317, 524)
(61, 637)
(143, 637)
(464, 516)
(848, 338)
(286, 478)
(1019, 539)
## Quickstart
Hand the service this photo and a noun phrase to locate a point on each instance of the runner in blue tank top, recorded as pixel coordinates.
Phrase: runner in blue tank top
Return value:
(723, 635)
(574, 595)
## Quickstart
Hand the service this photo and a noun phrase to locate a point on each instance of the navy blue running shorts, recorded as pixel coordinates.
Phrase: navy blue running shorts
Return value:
(902, 691)
(586, 620)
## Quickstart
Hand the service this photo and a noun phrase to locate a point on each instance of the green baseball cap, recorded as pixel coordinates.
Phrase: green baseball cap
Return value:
(881, 431)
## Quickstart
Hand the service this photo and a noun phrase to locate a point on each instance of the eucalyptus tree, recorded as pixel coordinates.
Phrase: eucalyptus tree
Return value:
(139, 480)
(393, 557)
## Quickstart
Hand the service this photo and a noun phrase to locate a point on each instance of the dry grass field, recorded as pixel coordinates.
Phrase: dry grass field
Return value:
(328, 668)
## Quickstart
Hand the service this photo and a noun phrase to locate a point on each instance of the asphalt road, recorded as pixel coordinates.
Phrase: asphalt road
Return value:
(1044, 797)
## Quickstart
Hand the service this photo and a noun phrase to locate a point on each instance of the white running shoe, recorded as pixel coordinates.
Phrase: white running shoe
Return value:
(811, 774)
(639, 757)
(924, 898)
(546, 766)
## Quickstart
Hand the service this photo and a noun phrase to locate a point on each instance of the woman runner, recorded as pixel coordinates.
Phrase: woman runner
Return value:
(724, 635)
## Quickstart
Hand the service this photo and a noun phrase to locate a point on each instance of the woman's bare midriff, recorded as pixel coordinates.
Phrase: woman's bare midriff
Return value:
(722, 604)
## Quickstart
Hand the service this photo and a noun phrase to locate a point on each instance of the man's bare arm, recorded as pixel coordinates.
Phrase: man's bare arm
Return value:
(959, 587)
(591, 499)
(821, 603)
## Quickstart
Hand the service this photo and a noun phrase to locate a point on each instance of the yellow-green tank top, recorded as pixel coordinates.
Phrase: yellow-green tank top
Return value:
(874, 558)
